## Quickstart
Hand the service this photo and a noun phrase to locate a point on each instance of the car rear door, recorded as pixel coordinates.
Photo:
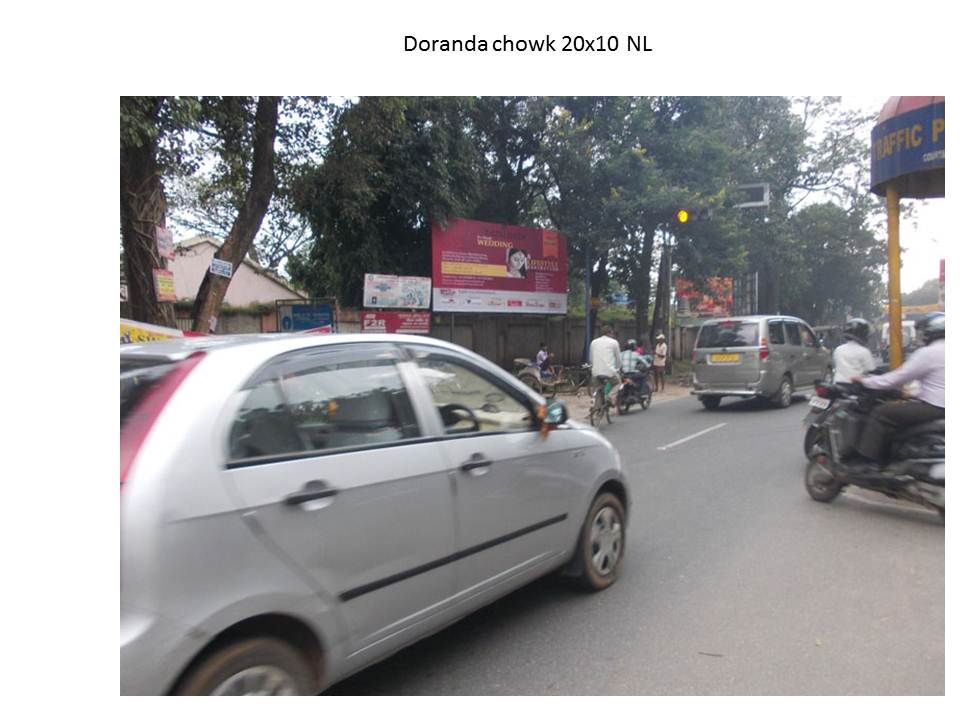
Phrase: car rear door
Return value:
(515, 488)
(327, 459)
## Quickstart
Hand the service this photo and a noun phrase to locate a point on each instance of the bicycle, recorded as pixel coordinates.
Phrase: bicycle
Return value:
(600, 407)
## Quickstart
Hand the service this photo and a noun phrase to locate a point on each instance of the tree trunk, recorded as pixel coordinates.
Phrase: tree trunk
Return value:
(641, 285)
(142, 208)
(263, 181)
(661, 308)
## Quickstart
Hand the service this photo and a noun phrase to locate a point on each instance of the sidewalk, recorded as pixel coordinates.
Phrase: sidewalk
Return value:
(578, 407)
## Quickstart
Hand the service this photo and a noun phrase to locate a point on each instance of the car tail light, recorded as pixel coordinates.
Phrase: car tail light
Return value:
(137, 425)
(764, 350)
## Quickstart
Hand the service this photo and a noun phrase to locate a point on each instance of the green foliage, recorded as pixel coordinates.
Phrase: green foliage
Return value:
(926, 294)
(392, 165)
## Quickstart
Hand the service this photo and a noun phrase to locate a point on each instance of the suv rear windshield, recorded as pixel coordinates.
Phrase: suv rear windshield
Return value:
(135, 380)
(729, 333)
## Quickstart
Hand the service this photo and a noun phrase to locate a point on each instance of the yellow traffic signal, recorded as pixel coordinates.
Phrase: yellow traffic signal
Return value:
(682, 216)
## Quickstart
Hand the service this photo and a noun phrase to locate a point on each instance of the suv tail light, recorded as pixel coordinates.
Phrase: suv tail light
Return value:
(138, 423)
(764, 350)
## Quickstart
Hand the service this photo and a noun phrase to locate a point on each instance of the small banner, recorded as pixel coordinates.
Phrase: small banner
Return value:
(164, 286)
(414, 323)
(223, 268)
(165, 243)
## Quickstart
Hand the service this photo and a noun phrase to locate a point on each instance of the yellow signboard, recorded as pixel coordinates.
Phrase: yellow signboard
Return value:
(132, 331)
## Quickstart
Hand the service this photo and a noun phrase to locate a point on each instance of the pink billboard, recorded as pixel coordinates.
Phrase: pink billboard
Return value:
(493, 268)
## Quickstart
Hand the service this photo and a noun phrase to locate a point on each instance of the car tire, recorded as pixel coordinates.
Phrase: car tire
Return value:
(821, 485)
(784, 396)
(711, 402)
(598, 559)
(253, 666)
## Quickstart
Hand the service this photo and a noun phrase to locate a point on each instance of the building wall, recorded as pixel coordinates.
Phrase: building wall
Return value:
(246, 287)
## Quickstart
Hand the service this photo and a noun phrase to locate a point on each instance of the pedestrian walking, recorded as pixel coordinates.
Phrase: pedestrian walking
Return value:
(660, 363)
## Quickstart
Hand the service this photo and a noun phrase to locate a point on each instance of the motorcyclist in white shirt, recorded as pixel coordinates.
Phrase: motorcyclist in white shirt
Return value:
(853, 358)
(927, 365)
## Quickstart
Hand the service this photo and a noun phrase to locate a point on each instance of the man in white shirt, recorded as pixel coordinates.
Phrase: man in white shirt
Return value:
(605, 361)
(926, 365)
(853, 358)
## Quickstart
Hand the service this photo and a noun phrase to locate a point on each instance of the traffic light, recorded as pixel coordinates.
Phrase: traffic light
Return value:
(684, 215)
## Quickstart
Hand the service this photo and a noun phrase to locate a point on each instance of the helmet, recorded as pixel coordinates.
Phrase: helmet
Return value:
(857, 329)
(631, 344)
(933, 327)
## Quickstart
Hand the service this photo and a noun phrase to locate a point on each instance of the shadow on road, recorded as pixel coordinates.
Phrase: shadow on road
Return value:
(432, 656)
(729, 405)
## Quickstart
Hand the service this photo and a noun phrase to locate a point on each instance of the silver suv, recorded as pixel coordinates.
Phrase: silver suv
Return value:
(769, 356)
(295, 508)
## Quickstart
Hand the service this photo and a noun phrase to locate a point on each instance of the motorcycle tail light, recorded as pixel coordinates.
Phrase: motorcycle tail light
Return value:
(821, 391)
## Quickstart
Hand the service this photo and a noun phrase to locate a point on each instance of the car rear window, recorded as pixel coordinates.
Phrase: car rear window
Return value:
(136, 380)
(729, 333)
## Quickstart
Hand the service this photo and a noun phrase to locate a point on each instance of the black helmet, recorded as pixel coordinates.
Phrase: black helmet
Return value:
(857, 329)
(631, 344)
(933, 327)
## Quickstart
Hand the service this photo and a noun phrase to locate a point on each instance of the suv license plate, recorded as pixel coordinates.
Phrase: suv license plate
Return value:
(819, 402)
(725, 357)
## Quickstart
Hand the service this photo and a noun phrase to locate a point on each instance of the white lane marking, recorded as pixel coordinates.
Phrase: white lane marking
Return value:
(691, 437)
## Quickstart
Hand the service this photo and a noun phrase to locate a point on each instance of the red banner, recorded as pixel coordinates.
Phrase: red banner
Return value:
(416, 323)
(487, 267)
(714, 300)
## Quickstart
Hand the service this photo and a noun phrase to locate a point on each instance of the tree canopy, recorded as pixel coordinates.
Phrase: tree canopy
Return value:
(358, 183)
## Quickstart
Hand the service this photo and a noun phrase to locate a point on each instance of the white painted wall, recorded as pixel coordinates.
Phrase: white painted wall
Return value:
(191, 264)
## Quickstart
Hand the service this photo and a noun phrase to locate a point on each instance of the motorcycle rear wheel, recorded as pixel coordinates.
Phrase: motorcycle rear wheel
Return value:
(820, 482)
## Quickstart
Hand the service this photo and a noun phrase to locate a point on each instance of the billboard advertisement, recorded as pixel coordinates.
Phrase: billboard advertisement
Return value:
(403, 291)
(299, 316)
(712, 298)
(493, 268)
(391, 321)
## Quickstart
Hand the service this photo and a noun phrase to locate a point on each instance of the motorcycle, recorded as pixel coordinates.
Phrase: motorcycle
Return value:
(916, 467)
(815, 416)
(634, 390)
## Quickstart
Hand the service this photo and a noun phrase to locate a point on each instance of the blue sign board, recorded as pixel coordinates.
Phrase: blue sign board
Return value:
(296, 318)
(909, 143)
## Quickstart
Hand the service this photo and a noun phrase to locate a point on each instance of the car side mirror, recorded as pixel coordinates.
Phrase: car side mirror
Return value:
(551, 415)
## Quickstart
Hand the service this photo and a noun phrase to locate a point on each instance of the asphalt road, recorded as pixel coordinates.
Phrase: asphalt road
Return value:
(735, 583)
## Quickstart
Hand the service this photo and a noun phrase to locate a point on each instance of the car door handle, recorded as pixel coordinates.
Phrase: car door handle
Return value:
(313, 490)
(476, 462)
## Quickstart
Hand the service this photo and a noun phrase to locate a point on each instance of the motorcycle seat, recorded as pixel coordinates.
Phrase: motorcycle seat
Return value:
(934, 427)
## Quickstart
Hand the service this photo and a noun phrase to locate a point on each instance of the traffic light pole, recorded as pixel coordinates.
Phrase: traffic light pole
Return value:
(893, 272)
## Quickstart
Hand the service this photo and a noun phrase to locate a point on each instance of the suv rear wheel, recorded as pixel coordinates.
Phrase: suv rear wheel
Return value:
(784, 395)
(710, 402)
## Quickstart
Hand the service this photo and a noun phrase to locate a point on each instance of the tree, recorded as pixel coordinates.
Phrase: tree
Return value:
(926, 294)
(229, 116)
(392, 166)
(208, 201)
(152, 141)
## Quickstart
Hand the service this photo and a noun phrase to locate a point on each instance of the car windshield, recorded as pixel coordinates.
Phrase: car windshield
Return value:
(729, 333)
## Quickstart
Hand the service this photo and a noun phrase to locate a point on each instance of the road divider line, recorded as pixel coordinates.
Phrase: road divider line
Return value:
(691, 437)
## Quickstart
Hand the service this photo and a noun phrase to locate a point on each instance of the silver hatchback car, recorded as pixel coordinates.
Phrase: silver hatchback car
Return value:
(769, 356)
(295, 508)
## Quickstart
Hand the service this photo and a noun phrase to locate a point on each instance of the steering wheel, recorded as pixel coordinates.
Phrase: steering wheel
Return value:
(453, 413)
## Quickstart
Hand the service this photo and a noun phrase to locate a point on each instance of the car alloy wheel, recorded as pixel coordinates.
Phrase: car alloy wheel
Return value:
(606, 541)
(259, 680)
